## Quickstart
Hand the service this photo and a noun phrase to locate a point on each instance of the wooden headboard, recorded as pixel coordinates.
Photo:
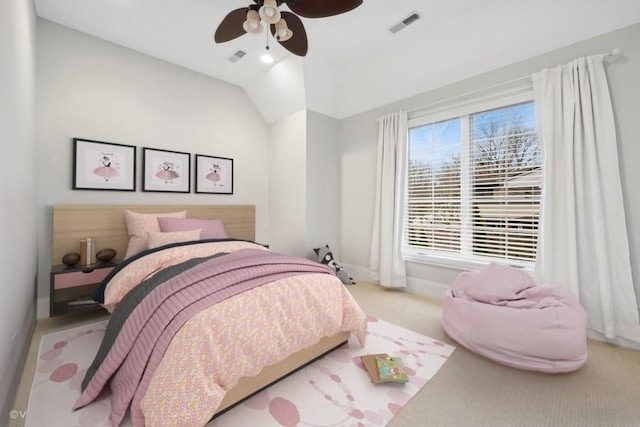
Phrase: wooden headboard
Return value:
(107, 225)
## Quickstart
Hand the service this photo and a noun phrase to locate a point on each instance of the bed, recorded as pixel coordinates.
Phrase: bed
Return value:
(199, 324)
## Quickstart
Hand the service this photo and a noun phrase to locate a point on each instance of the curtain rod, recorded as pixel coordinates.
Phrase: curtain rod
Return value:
(470, 93)
(613, 52)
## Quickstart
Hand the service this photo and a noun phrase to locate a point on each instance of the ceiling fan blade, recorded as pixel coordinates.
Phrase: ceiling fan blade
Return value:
(297, 44)
(321, 8)
(231, 26)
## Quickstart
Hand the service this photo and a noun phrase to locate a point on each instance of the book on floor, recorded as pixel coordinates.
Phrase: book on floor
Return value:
(390, 369)
(383, 368)
(370, 364)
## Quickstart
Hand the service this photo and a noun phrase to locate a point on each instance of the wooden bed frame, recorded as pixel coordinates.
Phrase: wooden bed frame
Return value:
(107, 225)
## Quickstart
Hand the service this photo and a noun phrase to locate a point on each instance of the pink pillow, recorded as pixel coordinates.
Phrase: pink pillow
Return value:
(211, 228)
(138, 225)
(157, 238)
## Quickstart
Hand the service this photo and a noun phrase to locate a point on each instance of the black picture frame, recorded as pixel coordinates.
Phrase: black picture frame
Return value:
(213, 175)
(166, 171)
(99, 165)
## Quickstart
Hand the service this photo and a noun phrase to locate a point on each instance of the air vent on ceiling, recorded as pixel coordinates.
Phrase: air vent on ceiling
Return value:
(237, 56)
(405, 22)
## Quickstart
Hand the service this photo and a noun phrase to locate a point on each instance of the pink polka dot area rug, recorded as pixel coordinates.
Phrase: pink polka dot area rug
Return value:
(332, 391)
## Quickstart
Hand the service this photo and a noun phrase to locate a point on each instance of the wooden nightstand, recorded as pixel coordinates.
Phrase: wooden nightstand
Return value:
(72, 288)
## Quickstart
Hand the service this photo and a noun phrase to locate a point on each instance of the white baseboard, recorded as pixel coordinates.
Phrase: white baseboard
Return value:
(360, 273)
(414, 285)
(426, 288)
(11, 383)
(616, 341)
(42, 308)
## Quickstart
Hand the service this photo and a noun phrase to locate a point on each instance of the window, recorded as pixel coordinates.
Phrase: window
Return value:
(474, 183)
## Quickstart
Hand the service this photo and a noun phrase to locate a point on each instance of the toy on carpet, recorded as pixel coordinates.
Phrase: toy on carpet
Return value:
(325, 256)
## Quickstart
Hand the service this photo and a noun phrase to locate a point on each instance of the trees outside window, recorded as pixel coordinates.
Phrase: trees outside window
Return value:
(474, 184)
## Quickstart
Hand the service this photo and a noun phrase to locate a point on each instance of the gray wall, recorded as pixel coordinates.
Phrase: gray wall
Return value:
(18, 222)
(358, 144)
(287, 184)
(93, 89)
(304, 183)
(323, 183)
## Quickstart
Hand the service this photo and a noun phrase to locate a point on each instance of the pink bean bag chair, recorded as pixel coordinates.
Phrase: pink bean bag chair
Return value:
(499, 312)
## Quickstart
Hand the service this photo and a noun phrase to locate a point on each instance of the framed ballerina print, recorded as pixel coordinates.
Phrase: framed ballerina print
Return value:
(166, 171)
(101, 165)
(214, 174)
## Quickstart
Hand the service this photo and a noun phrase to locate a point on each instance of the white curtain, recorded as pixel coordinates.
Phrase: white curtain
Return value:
(386, 261)
(583, 241)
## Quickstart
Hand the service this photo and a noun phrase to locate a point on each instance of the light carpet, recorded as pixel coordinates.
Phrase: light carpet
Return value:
(333, 391)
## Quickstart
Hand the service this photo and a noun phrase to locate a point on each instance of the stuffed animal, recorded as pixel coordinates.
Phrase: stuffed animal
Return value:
(325, 256)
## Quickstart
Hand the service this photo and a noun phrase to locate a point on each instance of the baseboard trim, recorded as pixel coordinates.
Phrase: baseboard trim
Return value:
(360, 273)
(621, 342)
(17, 366)
(43, 308)
(426, 288)
(414, 285)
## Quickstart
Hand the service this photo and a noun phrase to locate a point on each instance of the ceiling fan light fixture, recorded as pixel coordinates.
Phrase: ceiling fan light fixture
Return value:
(283, 33)
(292, 34)
(252, 25)
(269, 12)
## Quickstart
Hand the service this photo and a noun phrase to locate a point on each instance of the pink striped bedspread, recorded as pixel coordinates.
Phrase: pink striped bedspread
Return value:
(165, 363)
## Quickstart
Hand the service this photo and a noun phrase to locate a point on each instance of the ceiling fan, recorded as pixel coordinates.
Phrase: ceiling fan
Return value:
(286, 27)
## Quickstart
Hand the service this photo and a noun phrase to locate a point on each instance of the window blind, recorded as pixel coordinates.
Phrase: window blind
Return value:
(474, 185)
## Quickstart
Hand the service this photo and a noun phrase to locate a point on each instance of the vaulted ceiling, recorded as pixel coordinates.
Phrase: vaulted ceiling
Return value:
(354, 62)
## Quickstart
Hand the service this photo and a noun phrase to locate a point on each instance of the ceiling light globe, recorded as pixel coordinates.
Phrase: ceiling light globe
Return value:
(269, 11)
(283, 33)
(252, 25)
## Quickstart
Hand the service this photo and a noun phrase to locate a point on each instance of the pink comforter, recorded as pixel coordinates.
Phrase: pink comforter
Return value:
(240, 336)
(143, 325)
(147, 266)
(246, 337)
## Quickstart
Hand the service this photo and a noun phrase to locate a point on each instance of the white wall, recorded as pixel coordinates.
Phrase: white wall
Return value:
(287, 161)
(279, 92)
(97, 90)
(323, 183)
(358, 144)
(18, 221)
(304, 183)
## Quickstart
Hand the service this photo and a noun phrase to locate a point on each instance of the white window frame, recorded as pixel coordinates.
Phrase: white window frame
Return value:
(462, 109)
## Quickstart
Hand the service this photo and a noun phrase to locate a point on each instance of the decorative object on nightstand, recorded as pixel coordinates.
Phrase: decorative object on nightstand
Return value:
(87, 251)
(71, 258)
(106, 254)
